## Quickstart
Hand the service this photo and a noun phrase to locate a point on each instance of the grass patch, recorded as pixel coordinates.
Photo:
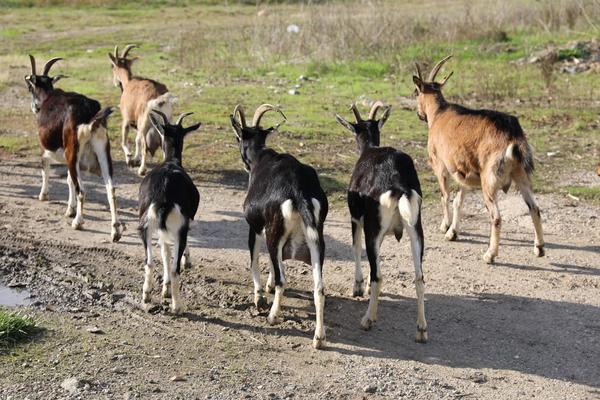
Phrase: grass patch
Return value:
(15, 327)
(585, 193)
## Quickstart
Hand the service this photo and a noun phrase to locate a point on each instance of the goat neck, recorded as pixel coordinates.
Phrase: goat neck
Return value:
(434, 102)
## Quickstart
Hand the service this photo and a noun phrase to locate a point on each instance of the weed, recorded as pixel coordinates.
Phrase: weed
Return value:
(15, 327)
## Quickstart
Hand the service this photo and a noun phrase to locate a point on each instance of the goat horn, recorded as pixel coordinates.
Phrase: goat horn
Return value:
(437, 68)
(49, 65)
(238, 111)
(32, 59)
(182, 116)
(446, 78)
(376, 106)
(356, 113)
(419, 74)
(116, 51)
(260, 111)
(162, 115)
(127, 49)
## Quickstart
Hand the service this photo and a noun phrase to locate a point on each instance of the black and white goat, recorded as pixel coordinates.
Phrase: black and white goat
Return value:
(168, 201)
(72, 131)
(286, 205)
(384, 197)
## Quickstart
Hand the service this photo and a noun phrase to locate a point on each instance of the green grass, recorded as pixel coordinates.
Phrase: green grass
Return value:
(585, 193)
(15, 327)
(207, 54)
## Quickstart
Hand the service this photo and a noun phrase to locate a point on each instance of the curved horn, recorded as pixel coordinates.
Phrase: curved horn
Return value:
(446, 78)
(182, 116)
(419, 74)
(260, 111)
(32, 59)
(127, 49)
(162, 115)
(116, 51)
(437, 68)
(356, 113)
(238, 112)
(376, 106)
(49, 65)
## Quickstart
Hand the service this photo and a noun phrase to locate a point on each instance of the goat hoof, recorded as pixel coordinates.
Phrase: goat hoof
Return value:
(43, 197)
(70, 213)
(538, 250)
(166, 293)
(421, 336)
(260, 301)
(366, 323)
(488, 257)
(444, 227)
(77, 225)
(270, 289)
(451, 235)
(177, 308)
(146, 297)
(358, 291)
(141, 171)
(115, 236)
(274, 320)
(319, 342)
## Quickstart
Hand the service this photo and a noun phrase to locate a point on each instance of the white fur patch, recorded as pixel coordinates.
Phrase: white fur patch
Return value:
(311, 234)
(84, 133)
(387, 200)
(287, 209)
(317, 209)
(409, 209)
(509, 153)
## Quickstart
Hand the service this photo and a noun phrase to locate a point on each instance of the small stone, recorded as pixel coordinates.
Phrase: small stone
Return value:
(370, 388)
(72, 385)
(95, 330)
(293, 92)
(178, 378)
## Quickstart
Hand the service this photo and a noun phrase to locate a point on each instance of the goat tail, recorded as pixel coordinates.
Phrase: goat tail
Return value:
(86, 131)
(409, 206)
(310, 218)
(521, 153)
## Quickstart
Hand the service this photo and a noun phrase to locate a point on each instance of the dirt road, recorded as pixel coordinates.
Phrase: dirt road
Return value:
(522, 328)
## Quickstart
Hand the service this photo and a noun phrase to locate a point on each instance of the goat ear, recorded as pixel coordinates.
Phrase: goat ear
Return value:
(418, 83)
(157, 125)
(57, 78)
(345, 123)
(191, 128)
(113, 61)
(30, 79)
(384, 117)
(237, 128)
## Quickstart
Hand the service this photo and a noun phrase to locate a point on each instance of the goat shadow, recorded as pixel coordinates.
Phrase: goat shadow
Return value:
(550, 339)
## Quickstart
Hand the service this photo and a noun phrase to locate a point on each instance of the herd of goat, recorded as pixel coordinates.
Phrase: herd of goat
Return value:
(285, 204)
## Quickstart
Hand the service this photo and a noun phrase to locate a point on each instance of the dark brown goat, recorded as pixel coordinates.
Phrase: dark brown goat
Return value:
(72, 130)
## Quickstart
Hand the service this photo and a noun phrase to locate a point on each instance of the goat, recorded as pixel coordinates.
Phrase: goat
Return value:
(478, 148)
(168, 201)
(384, 197)
(139, 96)
(72, 130)
(285, 205)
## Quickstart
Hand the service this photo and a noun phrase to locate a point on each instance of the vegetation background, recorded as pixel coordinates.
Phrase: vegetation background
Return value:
(214, 54)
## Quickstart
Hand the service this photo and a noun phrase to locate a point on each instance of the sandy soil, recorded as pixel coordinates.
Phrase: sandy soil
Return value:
(524, 327)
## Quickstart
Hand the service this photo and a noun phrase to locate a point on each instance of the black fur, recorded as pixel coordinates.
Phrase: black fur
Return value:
(275, 178)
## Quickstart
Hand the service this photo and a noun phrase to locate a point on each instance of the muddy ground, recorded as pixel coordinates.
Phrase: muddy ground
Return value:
(525, 327)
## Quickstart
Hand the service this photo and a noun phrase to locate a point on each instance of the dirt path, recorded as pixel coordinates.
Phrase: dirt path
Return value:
(524, 327)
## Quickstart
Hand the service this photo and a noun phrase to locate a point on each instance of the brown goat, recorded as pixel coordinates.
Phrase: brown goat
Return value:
(478, 148)
(139, 96)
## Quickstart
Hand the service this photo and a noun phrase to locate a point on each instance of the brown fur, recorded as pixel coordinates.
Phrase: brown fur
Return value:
(478, 148)
(136, 93)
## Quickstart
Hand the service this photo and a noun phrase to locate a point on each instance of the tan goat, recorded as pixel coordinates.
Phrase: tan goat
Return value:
(139, 96)
(478, 148)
